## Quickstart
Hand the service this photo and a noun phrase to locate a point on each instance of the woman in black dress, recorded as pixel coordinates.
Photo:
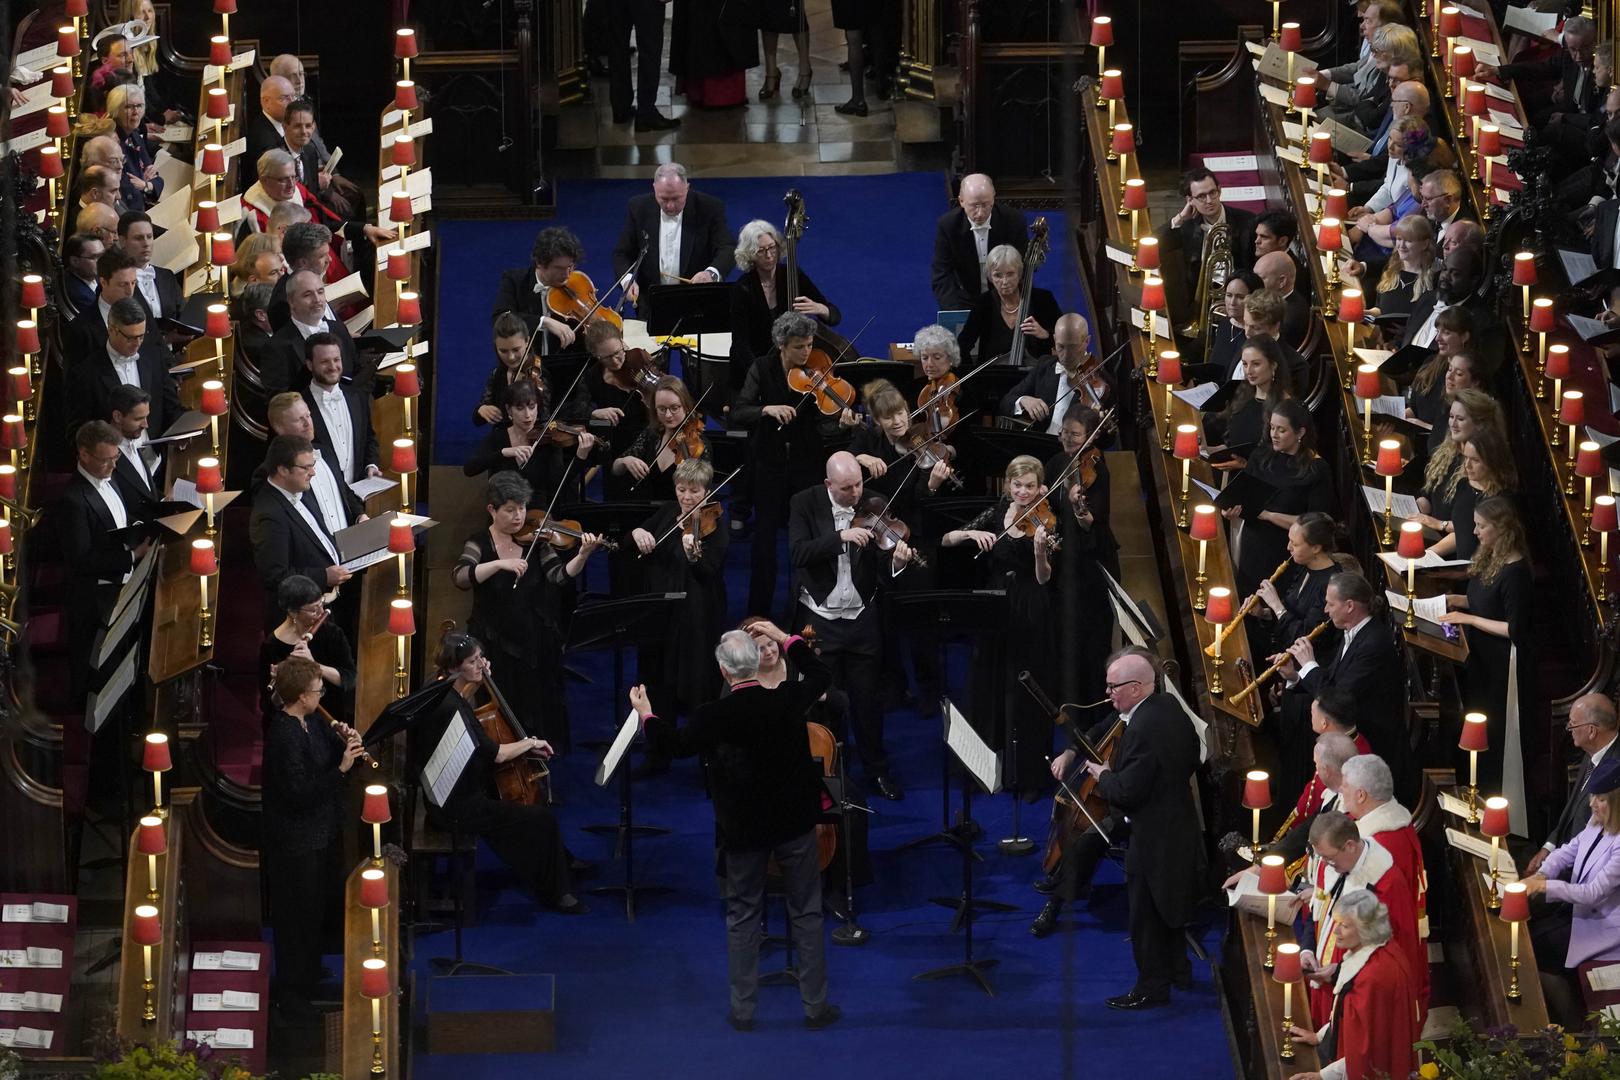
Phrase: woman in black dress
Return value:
(309, 634)
(778, 17)
(1028, 642)
(1302, 483)
(615, 399)
(521, 446)
(306, 764)
(1497, 611)
(883, 448)
(1242, 423)
(990, 325)
(1084, 514)
(1410, 271)
(1471, 409)
(1463, 372)
(1487, 471)
(1226, 337)
(1294, 608)
(647, 468)
(759, 295)
(522, 626)
(524, 837)
(1453, 336)
(512, 342)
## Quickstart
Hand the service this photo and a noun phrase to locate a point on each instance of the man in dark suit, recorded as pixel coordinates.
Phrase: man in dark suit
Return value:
(1605, 227)
(305, 245)
(139, 472)
(341, 414)
(1046, 392)
(298, 139)
(87, 334)
(524, 290)
(1202, 212)
(767, 800)
(288, 536)
(127, 358)
(837, 567)
(79, 254)
(1278, 271)
(1456, 285)
(1574, 89)
(263, 129)
(157, 288)
(965, 237)
(335, 503)
(283, 367)
(1591, 728)
(640, 102)
(685, 232)
(1149, 780)
(1442, 194)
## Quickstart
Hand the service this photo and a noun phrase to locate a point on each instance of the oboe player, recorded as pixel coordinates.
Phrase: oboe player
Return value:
(308, 632)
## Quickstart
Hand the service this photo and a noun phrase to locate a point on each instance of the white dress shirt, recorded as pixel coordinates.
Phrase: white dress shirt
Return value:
(669, 247)
(1425, 335)
(127, 367)
(302, 508)
(844, 601)
(146, 282)
(115, 506)
(334, 409)
(981, 242)
(135, 450)
(328, 496)
(1060, 402)
(304, 329)
(1344, 646)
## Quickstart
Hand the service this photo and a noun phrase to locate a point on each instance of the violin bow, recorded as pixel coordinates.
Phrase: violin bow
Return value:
(818, 379)
(669, 436)
(935, 437)
(671, 531)
(1057, 481)
(547, 516)
(1095, 824)
(951, 389)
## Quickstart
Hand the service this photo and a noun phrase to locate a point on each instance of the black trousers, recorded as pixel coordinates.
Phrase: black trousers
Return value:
(851, 649)
(771, 490)
(646, 17)
(304, 900)
(1081, 856)
(1160, 949)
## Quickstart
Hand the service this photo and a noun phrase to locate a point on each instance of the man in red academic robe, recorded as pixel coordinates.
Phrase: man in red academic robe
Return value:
(1367, 792)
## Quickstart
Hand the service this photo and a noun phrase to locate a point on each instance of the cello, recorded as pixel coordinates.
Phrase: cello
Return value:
(525, 779)
(1077, 807)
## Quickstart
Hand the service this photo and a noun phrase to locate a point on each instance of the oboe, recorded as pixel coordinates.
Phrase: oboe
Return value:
(1237, 698)
(1248, 605)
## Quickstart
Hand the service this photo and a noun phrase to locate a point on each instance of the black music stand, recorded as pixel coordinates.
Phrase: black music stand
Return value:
(690, 309)
(984, 768)
(632, 622)
(614, 520)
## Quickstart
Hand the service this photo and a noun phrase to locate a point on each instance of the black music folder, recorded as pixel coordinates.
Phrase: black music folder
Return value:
(1248, 491)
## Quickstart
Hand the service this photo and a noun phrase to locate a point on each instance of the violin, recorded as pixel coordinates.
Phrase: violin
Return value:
(575, 301)
(638, 372)
(557, 433)
(701, 526)
(687, 442)
(563, 534)
(887, 530)
(1036, 514)
(938, 404)
(817, 380)
(918, 442)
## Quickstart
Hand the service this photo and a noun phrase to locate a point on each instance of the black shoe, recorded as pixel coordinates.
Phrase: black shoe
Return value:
(739, 1023)
(656, 122)
(569, 904)
(887, 788)
(1046, 886)
(827, 1017)
(1046, 921)
(1134, 1000)
(851, 108)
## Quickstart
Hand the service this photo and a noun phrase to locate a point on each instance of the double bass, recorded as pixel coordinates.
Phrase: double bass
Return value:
(1033, 259)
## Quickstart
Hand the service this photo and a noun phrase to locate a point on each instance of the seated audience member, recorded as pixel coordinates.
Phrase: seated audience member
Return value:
(1279, 272)
(1349, 88)
(288, 66)
(1202, 211)
(103, 150)
(253, 322)
(1411, 269)
(98, 220)
(86, 335)
(263, 126)
(1573, 84)
(100, 184)
(258, 260)
(79, 254)
(1469, 234)
(1442, 196)
(139, 183)
(283, 216)
(1364, 172)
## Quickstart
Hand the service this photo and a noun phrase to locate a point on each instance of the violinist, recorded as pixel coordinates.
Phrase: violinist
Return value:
(674, 434)
(616, 398)
(307, 632)
(1017, 532)
(524, 837)
(787, 446)
(760, 295)
(1047, 390)
(512, 350)
(937, 355)
(1087, 493)
(1289, 464)
(518, 608)
(521, 446)
(887, 450)
(988, 334)
(524, 290)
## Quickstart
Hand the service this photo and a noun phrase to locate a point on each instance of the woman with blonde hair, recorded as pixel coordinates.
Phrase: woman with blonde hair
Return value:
(1410, 272)
(1487, 470)
(1470, 410)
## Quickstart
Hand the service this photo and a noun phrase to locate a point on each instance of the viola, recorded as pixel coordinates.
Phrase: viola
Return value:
(561, 533)
(575, 301)
(638, 372)
(887, 530)
(687, 442)
(700, 526)
(938, 403)
(557, 433)
(816, 379)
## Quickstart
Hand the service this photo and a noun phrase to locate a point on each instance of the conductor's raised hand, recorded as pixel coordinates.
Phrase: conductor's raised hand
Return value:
(639, 701)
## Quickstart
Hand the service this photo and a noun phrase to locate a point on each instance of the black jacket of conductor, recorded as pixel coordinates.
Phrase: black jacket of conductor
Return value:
(767, 787)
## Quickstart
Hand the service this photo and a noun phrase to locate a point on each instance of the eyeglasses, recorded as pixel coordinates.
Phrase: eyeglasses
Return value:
(1112, 686)
(1201, 196)
(318, 691)
(1572, 725)
(299, 467)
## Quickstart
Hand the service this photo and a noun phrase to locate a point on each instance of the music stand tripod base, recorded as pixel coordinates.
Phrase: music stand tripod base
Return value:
(973, 969)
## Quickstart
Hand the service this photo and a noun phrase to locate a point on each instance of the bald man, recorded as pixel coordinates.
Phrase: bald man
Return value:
(291, 68)
(264, 129)
(98, 220)
(964, 238)
(838, 567)
(1046, 391)
(1279, 272)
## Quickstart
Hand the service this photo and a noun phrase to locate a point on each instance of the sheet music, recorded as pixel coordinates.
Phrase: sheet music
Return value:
(1401, 506)
(1389, 405)
(449, 758)
(414, 242)
(36, 98)
(40, 911)
(1161, 326)
(1484, 51)
(621, 743)
(1208, 489)
(224, 1038)
(1136, 629)
(1605, 978)
(1428, 608)
(225, 1001)
(354, 566)
(27, 141)
(1587, 328)
(1246, 896)
(1578, 265)
(972, 751)
(1197, 395)
(103, 701)
(229, 960)
(361, 321)
(31, 1001)
(1375, 357)
(27, 1037)
(1452, 805)
(1430, 561)
(373, 485)
(1481, 849)
(175, 171)
(131, 604)
(1529, 21)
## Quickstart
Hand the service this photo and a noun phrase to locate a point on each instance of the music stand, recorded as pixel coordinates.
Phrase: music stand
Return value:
(632, 622)
(984, 768)
(614, 520)
(691, 309)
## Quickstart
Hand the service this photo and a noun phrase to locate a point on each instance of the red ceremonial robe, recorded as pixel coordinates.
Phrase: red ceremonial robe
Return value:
(1310, 799)
(1374, 1022)
(1376, 871)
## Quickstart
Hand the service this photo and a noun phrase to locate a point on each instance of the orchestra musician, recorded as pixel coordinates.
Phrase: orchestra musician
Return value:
(759, 295)
(511, 350)
(518, 608)
(938, 355)
(767, 799)
(1286, 461)
(524, 290)
(306, 763)
(307, 632)
(993, 319)
(684, 231)
(647, 467)
(615, 400)
(540, 456)
(965, 235)
(526, 837)
(1044, 394)
(885, 450)
(1313, 559)
(1083, 505)
(1226, 337)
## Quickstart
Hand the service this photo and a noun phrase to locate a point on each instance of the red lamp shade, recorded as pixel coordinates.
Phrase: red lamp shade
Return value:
(375, 811)
(150, 840)
(1450, 22)
(76, 9)
(1321, 148)
(399, 207)
(1389, 458)
(28, 335)
(1147, 253)
(1368, 382)
(1410, 545)
(1542, 319)
(1102, 32)
(1572, 410)
(401, 541)
(210, 480)
(1288, 39)
(1218, 610)
(50, 163)
(1490, 140)
(218, 322)
(399, 265)
(1256, 789)
(1285, 964)
(408, 383)
(207, 217)
(1515, 903)
(1335, 203)
(203, 561)
(1204, 517)
(1169, 368)
(1305, 94)
(1589, 460)
(1493, 820)
(1124, 139)
(8, 481)
(33, 291)
(404, 43)
(146, 927)
(219, 103)
(404, 457)
(1328, 237)
(1524, 266)
(213, 159)
(409, 312)
(213, 398)
(1474, 99)
(61, 83)
(1153, 294)
(1186, 444)
(374, 980)
(1558, 361)
(155, 754)
(1475, 733)
(405, 95)
(1273, 875)
(1136, 194)
(401, 618)
(219, 50)
(1351, 306)
(13, 436)
(5, 536)
(222, 249)
(224, 7)
(56, 122)
(373, 888)
(67, 42)
(1113, 85)
(404, 150)
(1604, 517)
(1462, 62)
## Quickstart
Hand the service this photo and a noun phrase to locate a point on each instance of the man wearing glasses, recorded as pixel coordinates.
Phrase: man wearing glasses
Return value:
(1591, 728)
(1202, 212)
(123, 360)
(964, 238)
